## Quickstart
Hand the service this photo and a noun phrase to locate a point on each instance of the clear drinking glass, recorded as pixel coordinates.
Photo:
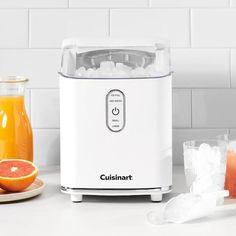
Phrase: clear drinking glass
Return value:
(16, 139)
(230, 177)
(205, 164)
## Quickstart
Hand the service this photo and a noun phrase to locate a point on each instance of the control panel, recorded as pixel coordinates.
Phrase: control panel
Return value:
(115, 110)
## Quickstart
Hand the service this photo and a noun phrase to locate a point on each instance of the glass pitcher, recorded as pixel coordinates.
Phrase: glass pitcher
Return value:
(16, 139)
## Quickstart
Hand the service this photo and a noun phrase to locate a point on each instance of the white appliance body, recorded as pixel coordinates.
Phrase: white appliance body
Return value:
(116, 136)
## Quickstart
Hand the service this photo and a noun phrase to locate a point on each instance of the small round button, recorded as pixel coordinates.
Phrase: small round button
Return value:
(115, 111)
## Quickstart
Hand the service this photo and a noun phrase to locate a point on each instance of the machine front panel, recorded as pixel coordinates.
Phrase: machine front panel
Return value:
(116, 134)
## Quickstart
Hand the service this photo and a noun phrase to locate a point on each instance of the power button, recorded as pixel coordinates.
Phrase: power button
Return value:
(115, 110)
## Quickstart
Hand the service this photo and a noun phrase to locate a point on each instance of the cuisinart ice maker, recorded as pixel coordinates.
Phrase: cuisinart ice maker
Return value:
(115, 118)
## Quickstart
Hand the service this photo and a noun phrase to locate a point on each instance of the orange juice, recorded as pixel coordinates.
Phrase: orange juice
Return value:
(15, 130)
(230, 177)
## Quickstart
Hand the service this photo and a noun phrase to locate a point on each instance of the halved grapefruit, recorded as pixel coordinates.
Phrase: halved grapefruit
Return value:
(16, 175)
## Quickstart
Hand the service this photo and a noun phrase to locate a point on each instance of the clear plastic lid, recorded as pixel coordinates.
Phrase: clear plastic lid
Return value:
(115, 58)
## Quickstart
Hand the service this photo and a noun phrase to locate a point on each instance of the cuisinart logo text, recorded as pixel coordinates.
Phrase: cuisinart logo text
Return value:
(116, 177)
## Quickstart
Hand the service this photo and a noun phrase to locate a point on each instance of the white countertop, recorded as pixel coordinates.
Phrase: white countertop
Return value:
(52, 213)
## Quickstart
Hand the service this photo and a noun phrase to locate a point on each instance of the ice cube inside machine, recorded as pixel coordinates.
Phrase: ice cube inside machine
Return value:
(115, 118)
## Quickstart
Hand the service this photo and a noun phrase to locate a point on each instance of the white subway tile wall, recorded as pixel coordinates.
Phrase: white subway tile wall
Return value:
(168, 23)
(232, 132)
(33, 3)
(213, 27)
(233, 3)
(39, 65)
(47, 28)
(201, 68)
(108, 3)
(213, 108)
(181, 108)
(14, 28)
(189, 3)
(46, 146)
(233, 68)
(203, 42)
(44, 108)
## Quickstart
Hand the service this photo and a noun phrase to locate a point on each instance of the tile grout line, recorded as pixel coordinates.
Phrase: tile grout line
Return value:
(30, 104)
(173, 128)
(109, 22)
(191, 108)
(28, 28)
(174, 88)
(202, 128)
(205, 88)
(190, 27)
(230, 72)
(119, 8)
(46, 128)
(172, 48)
(47, 89)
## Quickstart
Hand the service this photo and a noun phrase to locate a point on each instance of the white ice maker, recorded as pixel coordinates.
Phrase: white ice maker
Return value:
(116, 129)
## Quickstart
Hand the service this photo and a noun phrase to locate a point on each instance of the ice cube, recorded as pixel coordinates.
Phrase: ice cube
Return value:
(116, 73)
(189, 156)
(215, 155)
(81, 71)
(188, 206)
(138, 72)
(219, 180)
(104, 72)
(123, 67)
(151, 70)
(204, 148)
(203, 184)
(191, 164)
(201, 163)
(214, 160)
(109, 69)
(90, 73)
(107, 65)
(204, 168)
(190, 177)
